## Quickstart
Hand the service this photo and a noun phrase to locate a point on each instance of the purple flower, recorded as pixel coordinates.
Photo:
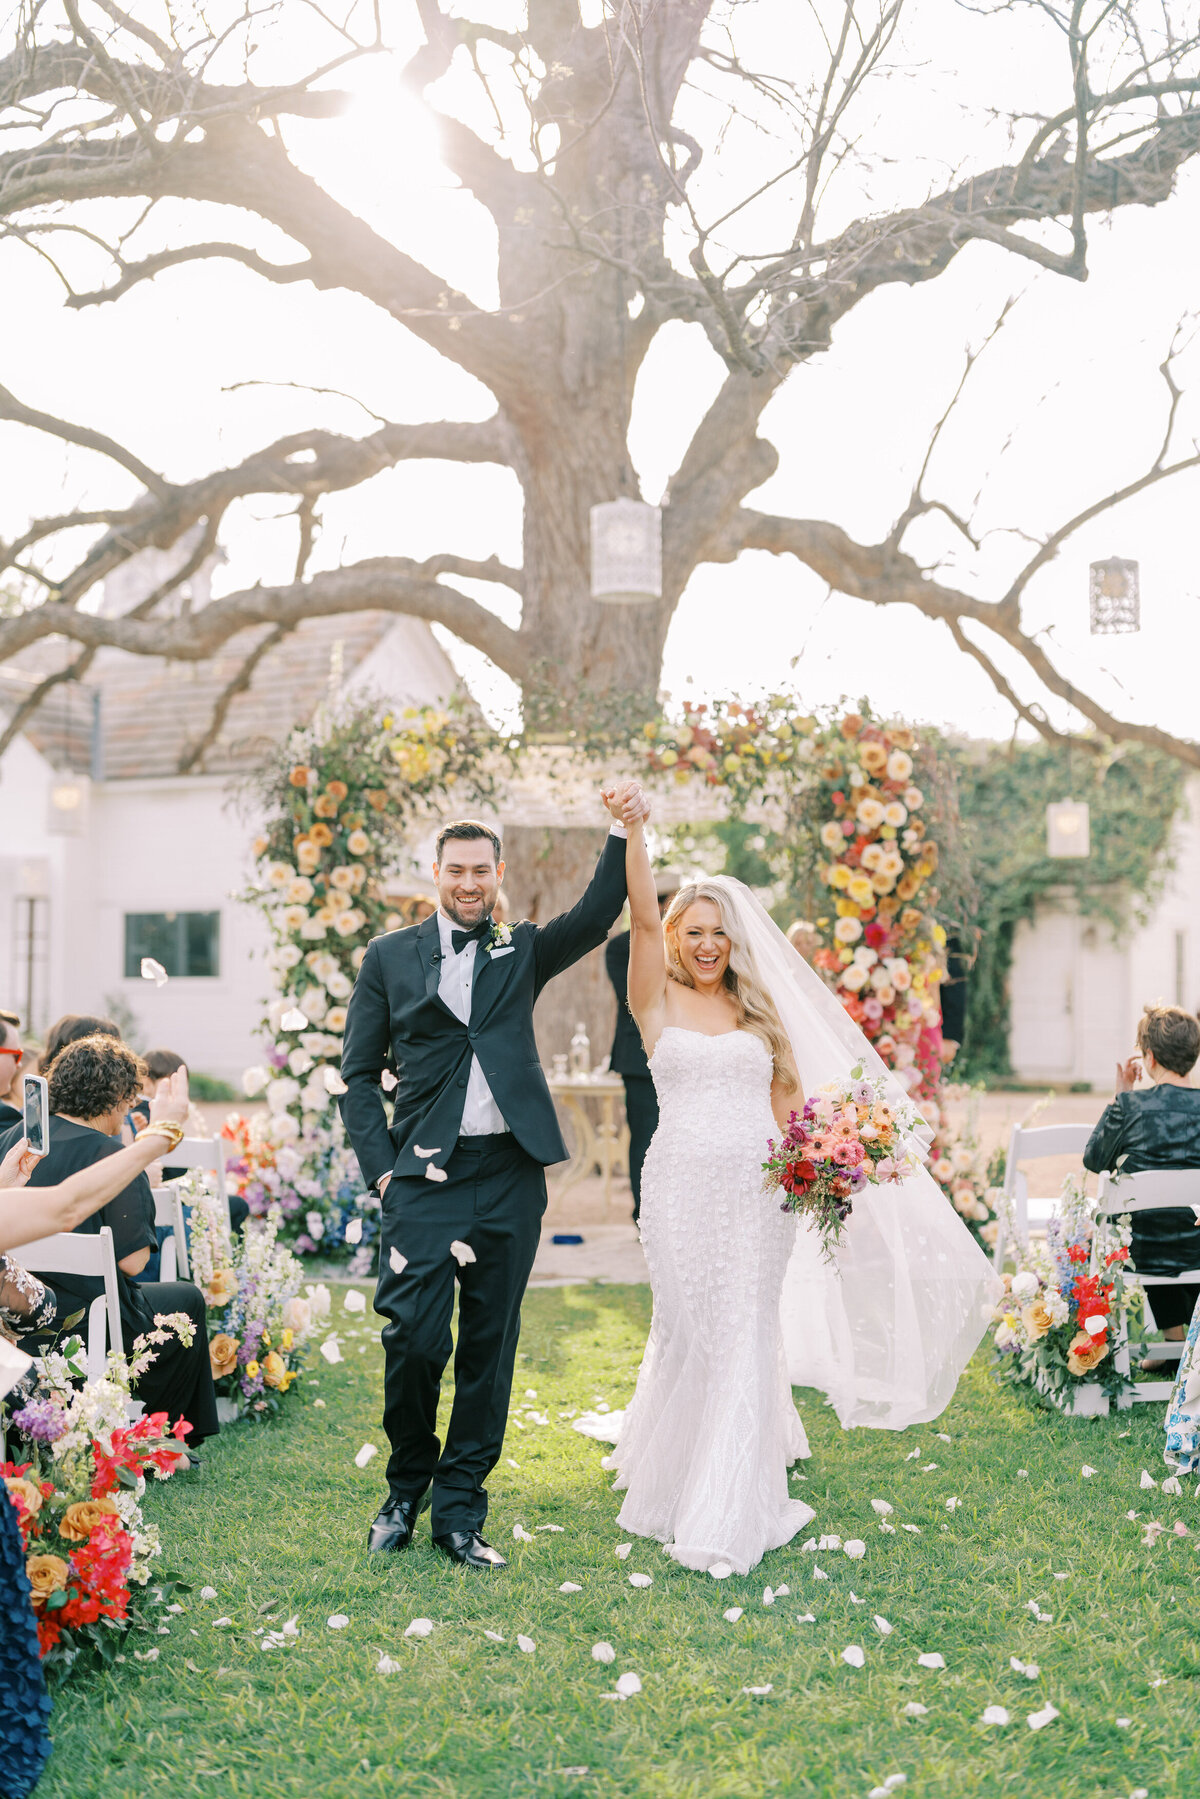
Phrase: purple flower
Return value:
(41, 1420)
(304, 1245)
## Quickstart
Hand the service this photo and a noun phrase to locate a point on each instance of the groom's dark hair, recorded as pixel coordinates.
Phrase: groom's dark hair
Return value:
(470, 829)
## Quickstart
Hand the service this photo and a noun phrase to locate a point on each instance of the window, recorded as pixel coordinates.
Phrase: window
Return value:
(186, 943)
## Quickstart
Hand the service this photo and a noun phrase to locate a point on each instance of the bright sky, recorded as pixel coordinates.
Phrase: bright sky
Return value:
(1065, 406)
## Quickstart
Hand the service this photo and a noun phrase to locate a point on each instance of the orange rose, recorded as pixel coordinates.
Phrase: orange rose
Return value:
(852, 724)
(24, 1491)
(321, 835)
(222, 1354)
(80, 1520)
(222, 1287)
(337, 790)
(1085, 1352)
(274, 1370)
(47, 1574)
(377, 799)
(325, 806)
(909, 885)
(1036, 1319)
(299, 776)
(873, 757)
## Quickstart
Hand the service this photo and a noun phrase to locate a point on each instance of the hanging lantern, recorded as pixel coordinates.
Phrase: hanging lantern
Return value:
(1114, 596)
(626, 552)
(1067, 829)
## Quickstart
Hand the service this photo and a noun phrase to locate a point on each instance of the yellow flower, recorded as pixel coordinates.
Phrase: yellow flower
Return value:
(840, 876)
(252, 1370)
(358, 843)
(222, 1354)
(860, 889)
(275, 1370)
(1085, 1352)
(846, 908)
(266, 1337)
(222, 1286)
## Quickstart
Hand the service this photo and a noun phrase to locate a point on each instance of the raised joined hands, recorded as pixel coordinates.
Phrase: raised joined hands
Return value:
(626, 801)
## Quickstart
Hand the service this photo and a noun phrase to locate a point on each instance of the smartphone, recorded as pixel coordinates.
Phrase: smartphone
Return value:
(37, 1115)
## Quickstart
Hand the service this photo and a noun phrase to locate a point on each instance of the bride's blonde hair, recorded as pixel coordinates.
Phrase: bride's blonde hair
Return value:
(755, 1009)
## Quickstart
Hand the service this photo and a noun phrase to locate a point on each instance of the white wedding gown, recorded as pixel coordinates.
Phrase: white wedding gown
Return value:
(704, 1448)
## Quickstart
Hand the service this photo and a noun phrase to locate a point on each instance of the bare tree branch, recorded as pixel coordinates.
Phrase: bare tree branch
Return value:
(17, 413)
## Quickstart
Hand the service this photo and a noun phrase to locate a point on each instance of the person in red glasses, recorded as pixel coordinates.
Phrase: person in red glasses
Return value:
(11, 1056)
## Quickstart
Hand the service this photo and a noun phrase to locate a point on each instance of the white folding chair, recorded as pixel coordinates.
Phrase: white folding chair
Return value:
(88, 1253)
(1027, 1145)
(1155, 1190)
(207, 1153)
(168, 1213)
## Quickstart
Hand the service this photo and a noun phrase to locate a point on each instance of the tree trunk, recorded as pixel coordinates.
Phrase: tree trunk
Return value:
(547, 871)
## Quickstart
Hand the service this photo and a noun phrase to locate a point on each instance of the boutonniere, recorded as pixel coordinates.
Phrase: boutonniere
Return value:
(499, 937)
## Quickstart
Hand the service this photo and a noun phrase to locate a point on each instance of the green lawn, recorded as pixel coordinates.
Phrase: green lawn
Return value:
(277, 1523)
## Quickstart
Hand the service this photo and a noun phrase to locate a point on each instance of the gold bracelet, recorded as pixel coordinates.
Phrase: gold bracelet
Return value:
(164, 1127)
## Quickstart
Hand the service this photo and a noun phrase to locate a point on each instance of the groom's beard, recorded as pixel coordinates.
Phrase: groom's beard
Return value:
(468, 919)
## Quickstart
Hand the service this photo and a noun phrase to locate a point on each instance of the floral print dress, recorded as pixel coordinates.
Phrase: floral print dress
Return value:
(1182, 1450)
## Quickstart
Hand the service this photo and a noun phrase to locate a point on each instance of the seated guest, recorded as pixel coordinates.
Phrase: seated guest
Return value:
(11, 1058)
(69, 1029)
(1157, 1127)
(160, 1065)
(92, 1083)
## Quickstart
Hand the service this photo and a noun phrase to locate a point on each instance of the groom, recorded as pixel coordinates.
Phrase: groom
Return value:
(461, 1172)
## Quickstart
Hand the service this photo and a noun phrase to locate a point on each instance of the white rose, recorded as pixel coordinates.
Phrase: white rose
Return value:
(297, 1315)
(865, 956)
(899, 766)
(282, 1093)
(869, 813)
(854, 977)
(253, 1082)
(847, 930)
(312, 1004)
(300, 1061)
(319, 1300)
(315, 1225)
(340, 986)
(278, 874)
(1024, 1286)
(288, 954)
(282, 1128)
(313, 929)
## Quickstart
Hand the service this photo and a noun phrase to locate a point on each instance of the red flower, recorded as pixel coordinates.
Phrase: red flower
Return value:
(1077, 1253)
(876, 935)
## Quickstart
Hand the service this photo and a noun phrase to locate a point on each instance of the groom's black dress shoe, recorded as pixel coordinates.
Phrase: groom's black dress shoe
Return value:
(469, 1548)
(393, 1528)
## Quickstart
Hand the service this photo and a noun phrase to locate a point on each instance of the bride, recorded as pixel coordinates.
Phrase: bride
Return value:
(736, 1024)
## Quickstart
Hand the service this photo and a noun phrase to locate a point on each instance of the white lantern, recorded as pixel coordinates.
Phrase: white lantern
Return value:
(1114, 597)
(1067, 829)
(626, 552)
(68, 806)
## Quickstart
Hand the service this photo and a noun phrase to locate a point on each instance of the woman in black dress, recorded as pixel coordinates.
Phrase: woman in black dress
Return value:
(1157, 1127)
(92, 1084)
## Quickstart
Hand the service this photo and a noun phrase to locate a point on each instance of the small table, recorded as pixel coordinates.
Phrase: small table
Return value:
(595, 1104)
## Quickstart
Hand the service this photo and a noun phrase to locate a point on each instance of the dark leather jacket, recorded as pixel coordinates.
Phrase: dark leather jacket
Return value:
(1157, 1128)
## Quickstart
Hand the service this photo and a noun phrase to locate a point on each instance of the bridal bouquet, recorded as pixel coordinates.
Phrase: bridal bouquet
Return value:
(847, 1137)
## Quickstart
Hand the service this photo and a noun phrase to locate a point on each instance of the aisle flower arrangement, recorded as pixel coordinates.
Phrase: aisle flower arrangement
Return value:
(313, 1183)
(259, 1321)
(77, 1488)
(1064, 1317)
(847, 1137)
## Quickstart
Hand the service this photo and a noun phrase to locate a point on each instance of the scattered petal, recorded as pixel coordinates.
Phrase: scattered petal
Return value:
(1122, 1723)
(385, 1665)
(628, 1685)
(396, 1262)
(768, 1596)
(420, 1627)
(929, 1468)
(622, 1550)
(526, 1645)
(531, 1392)
(568, 1586)
(148, 1655)
(433, 1172)
(493, 1636)
(782, 1592)
(338, 1621)
(557, 1528)
(365, 1454)
(819, 1573)
(882, 1507)
(931, 1660)
(806, 1618)
(1147, 1480)
(355, 1301)
(889, 1528)
(913, 1456)
(608, 1463)
(758, 1692)
(855, 1549)
(953, 1504)
(807, 1547)
(914, 1709)
(641, 1580)
(603, 1652)
(221, 1623)
(914, 1530)
(1022, 1474)
(721, 1570)
(1087, 1472)
(733, 1614)
(996, 1714)
(522, 1535)
(208, 1592)
(854, 1656)
(462, 1252)
(318, 1404)
(854, 1598)
(331, 1349)
(941, 1436)
(882, 1626)
(830, 1543)
(897, 1780)
(1180, 1528)
(1171, 1485)
(1039, 1720)
(353, 1233)
(513, 1464)
(423, 1153)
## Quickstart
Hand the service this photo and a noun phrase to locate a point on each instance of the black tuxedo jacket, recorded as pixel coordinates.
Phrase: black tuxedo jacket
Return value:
(628, 1052)
(395, 1013)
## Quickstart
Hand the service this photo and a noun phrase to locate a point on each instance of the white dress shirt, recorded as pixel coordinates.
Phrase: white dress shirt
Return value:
(481, 1115)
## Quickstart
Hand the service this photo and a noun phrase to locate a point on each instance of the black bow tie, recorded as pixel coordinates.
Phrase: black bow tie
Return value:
(460, 939)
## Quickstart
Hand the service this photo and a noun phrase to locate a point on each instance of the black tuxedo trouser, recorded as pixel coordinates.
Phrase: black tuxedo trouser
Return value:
(641, 1114)
(492, 1199)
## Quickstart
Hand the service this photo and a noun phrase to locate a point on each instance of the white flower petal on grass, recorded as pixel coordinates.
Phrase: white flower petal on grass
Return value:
(355, 1301)
(603, 1652)
(914, 1530)
(1147, 1481)
(622, 1550)
(830, 1543)
(526, 1645)
(1022, 1474)
(385, 1665)
(914, 1709)
(808, 1546)
(1122, 1723)
(758, 1692)
(365, 1454)
(733, 1614)
(782, 1592)
(1039, 1720)
(819, 1573)
(882, 1507)
(148, 1655)
(806, 1618)
(493, 1636)
(221, 1623)
(513, 1464)
(319, 1404)
(854, 1656)
(931, 1660)
(338, 1621)
(420, 1627)
(531, 1392)
(953, 1504)
(721, 1570)
(558, 1529)
(897, 1780)
(521, 1535)
(641, 1580)
(1171, 1485)
(855, 1548)
(331, 1349)
(1087, 1472)
(768, 1596)
(996, 1714)
(628, 1685)
(854, 1598)
(462, 1252)
(568, 1586)
(929, 1468)
(291, 1628)
(882, 1625)
(208, 1592)
(396, 1262)
(434, 1173)
(914, 1455)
